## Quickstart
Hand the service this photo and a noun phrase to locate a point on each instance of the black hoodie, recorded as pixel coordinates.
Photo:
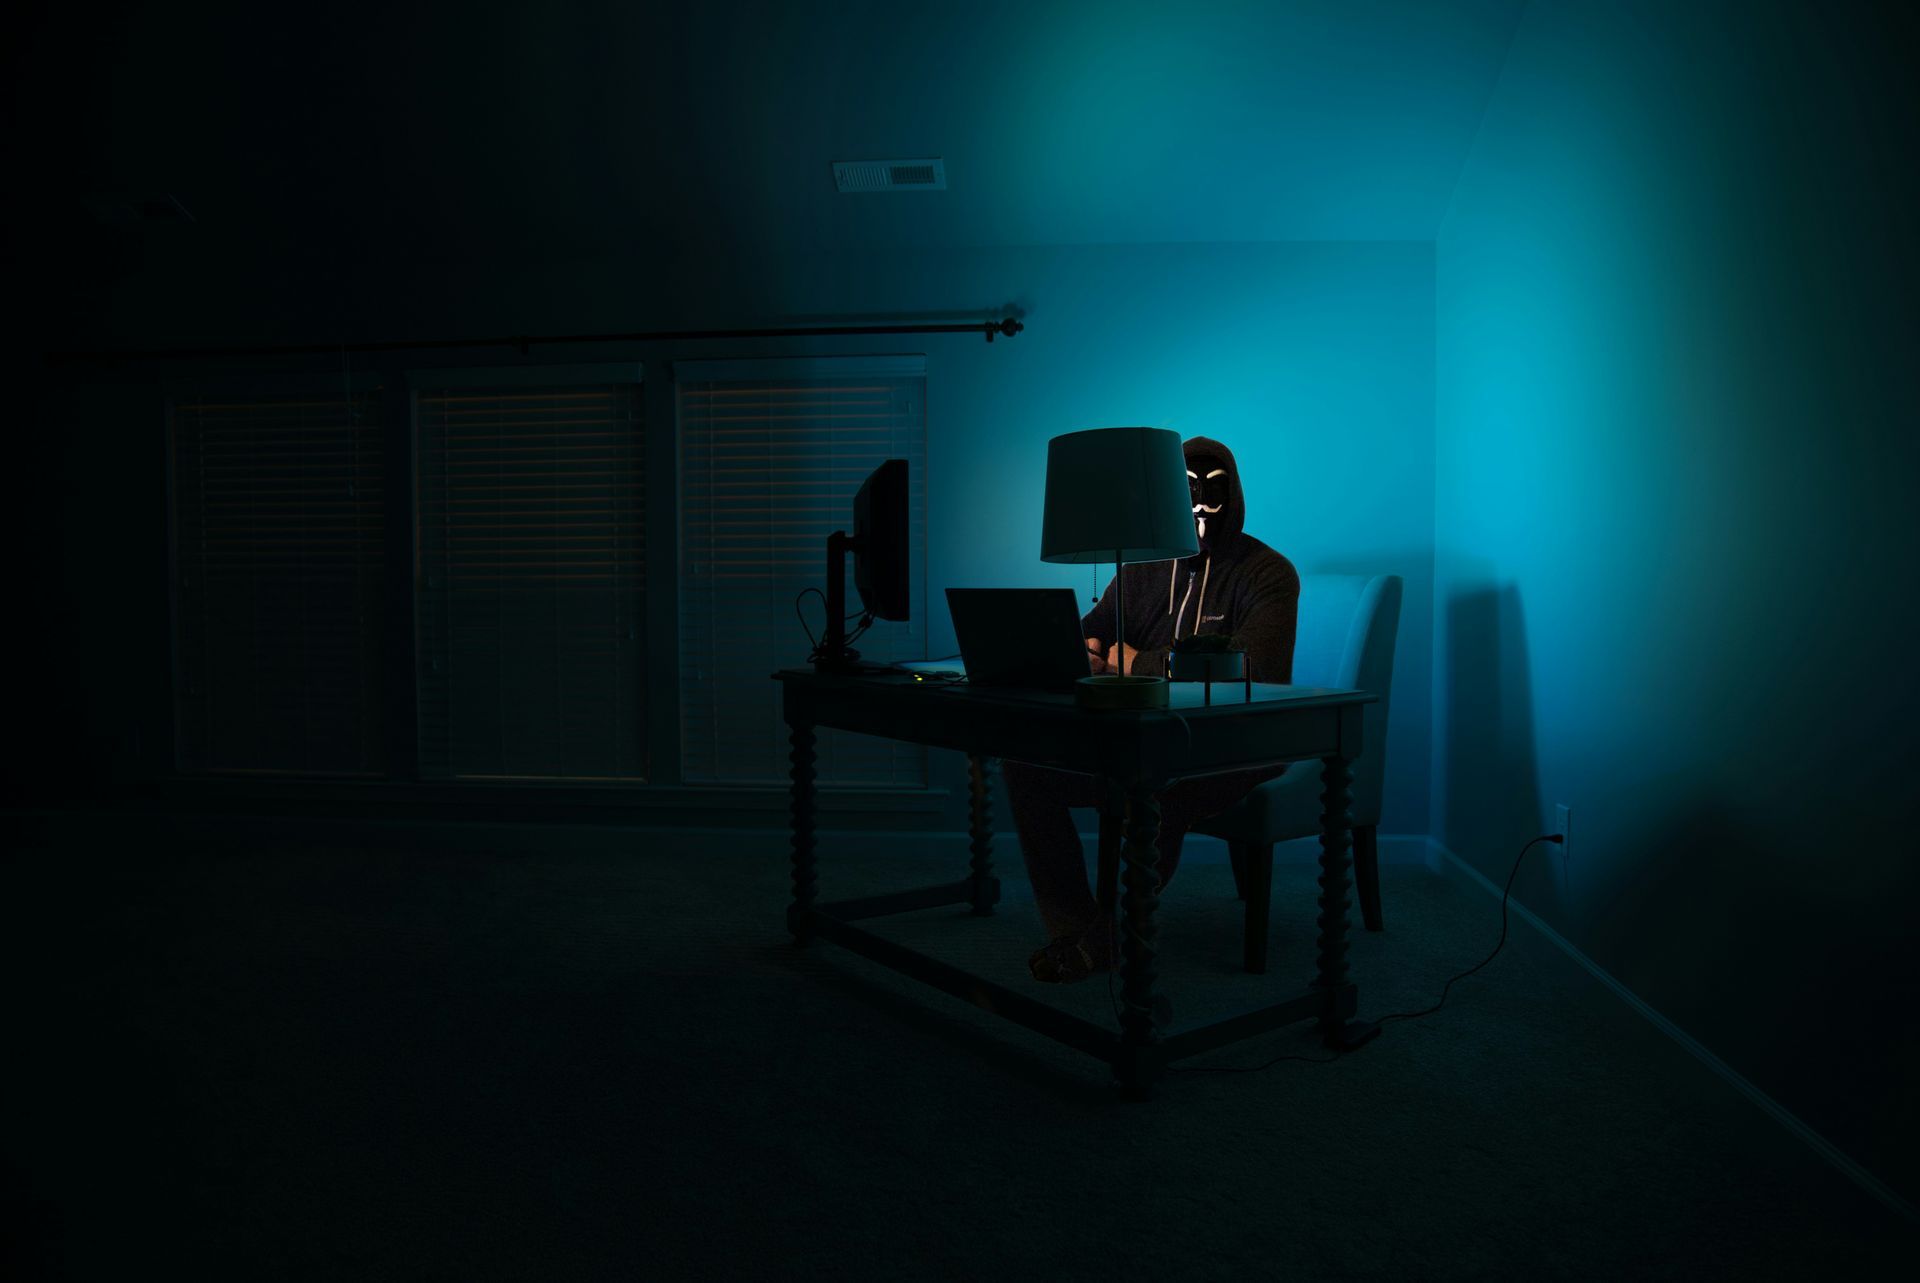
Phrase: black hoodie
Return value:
(1235, 585)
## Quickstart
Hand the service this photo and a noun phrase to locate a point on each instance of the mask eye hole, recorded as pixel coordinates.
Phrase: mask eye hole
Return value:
(1207, 489)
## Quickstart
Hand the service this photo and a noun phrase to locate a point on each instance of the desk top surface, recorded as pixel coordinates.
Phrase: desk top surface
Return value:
(1184, 698)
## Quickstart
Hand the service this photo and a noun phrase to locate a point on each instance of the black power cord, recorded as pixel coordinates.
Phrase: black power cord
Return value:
(1556, 838)
(816, 644)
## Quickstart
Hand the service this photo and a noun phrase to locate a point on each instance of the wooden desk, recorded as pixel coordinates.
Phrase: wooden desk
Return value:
(1138, 753)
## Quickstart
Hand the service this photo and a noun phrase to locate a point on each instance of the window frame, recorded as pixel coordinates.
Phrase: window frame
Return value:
(664, 797)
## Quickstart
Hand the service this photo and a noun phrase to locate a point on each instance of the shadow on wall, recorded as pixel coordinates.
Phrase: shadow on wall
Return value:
(1489, 771)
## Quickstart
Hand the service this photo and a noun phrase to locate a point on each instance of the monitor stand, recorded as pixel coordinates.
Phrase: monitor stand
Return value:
(834, 656)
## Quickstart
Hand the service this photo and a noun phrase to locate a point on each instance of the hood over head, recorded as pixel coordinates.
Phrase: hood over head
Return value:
(1219, 505)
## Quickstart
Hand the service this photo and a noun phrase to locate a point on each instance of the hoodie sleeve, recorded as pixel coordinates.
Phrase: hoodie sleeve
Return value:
(1151, 663)
(1098, 622)
(1266, 630)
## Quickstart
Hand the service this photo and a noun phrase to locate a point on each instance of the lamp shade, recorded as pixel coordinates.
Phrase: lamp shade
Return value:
(1117, 493)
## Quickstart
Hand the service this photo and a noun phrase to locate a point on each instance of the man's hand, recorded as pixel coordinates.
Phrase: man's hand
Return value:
(1107, 660)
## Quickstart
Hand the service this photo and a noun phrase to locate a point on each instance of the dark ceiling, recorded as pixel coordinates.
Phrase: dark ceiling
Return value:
(577, 130)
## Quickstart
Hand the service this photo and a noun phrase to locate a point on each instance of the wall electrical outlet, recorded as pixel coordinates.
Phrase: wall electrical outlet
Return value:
(1563, 825)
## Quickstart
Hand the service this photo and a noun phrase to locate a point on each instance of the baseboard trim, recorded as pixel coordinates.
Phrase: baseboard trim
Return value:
(1442, 860)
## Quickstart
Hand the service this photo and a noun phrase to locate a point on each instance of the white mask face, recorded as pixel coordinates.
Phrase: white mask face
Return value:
(1212, 487)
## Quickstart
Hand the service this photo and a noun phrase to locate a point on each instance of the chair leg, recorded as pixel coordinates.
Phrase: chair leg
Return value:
(1259, 862)
(1237, 856)
(1366, 873)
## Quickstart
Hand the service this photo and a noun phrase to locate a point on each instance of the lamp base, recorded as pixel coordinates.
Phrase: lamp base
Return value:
(1112, 691)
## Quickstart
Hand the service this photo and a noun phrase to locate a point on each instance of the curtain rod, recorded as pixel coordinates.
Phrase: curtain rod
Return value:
(1008, 327)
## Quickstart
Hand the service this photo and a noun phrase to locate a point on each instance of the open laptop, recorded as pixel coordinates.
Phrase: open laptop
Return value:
(1019, 636)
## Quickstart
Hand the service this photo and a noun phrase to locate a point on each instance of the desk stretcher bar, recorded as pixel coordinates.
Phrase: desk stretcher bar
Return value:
(1137, 756)
(834, 922)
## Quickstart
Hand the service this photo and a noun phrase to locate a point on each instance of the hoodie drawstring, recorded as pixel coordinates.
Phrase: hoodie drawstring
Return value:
(1173, 574)
(1201, 608)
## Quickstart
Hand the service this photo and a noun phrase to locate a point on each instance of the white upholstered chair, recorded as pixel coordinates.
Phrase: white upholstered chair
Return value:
(1344, 639)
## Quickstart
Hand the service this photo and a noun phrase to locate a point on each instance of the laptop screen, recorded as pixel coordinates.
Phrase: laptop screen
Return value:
(1019, 636)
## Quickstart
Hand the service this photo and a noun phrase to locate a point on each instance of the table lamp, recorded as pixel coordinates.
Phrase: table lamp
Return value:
(1119, 495)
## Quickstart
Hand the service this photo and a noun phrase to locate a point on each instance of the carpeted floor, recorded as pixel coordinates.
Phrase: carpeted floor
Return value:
(292, 1051)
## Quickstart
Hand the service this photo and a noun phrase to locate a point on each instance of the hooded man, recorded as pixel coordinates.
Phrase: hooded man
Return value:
(1235, 585)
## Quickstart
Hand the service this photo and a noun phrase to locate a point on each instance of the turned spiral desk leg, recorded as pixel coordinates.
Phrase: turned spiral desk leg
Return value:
(801, 734)
(1139, 1061)
(985, 887)
(1334, 883)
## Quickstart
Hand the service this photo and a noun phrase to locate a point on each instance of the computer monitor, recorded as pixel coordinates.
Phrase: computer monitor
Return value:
(880, 542)
(880, 563)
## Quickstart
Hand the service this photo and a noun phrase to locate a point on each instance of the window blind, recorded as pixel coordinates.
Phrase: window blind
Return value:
(771, 456)
(532, 581)
(278, 510)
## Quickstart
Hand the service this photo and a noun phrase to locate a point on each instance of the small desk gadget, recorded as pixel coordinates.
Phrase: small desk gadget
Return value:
(1138, 752)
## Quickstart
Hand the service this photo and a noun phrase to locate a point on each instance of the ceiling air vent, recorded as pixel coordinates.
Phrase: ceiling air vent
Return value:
(890, 175)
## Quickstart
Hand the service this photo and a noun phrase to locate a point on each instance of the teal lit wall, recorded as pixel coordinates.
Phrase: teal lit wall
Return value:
(1676, 396)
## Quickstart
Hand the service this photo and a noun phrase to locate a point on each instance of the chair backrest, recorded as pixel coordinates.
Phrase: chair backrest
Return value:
(1344, 638)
